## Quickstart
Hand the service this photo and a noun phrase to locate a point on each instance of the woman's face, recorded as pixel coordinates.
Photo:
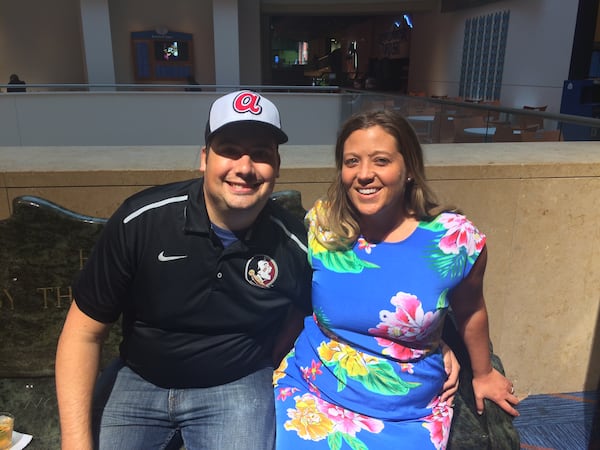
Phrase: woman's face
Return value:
(374, 175)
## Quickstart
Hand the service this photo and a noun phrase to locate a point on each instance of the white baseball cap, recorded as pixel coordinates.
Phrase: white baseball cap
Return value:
(244, 106)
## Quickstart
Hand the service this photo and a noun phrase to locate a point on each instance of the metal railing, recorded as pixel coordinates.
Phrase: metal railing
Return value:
(446, 120)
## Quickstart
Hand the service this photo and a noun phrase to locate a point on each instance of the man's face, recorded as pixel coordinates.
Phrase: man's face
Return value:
(240, 169)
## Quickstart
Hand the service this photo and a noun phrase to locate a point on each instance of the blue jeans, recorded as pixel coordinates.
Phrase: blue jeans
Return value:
(131, 413)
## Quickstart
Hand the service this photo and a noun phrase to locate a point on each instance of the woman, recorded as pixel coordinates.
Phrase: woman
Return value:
(366, 372)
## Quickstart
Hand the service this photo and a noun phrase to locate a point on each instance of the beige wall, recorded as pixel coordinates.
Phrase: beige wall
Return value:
(538, 204)
(184, 16)
(537, 59)
(543, 278)
(41, 43)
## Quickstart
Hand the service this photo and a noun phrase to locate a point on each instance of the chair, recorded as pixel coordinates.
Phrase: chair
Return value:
(422, 123)
(541, 136)
(420, 109)
(506, 133)
(378, 104)
(442, 130)
(535, 108)
(492, 115)
(531, 122)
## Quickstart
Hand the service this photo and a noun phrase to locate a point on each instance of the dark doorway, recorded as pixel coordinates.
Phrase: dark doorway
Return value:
(347, 51)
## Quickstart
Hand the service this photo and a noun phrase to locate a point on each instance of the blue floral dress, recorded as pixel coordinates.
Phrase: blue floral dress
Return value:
(366, 372)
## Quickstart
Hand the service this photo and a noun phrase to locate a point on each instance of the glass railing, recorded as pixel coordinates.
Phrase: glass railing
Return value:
(443, 120)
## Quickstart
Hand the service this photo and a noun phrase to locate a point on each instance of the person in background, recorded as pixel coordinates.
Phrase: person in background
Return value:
(204, 274)
(388, 263)
(193, 85)
(14, 79)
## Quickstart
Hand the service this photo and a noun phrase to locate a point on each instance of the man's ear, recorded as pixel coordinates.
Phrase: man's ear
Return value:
(203, 155)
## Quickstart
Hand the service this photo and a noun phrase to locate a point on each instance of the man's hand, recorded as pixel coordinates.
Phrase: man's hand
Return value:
(452, 367)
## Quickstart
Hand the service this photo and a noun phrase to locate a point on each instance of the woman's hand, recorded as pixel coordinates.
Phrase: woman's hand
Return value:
(496, 387)
(452, 368)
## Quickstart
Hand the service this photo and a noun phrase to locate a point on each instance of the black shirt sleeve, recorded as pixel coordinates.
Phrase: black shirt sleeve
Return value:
(103, 285)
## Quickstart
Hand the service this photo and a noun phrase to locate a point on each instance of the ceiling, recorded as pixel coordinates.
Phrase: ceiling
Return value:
(344, 7)
(306, 28)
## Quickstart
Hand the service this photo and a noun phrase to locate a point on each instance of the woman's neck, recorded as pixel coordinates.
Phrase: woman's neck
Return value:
(374, 230)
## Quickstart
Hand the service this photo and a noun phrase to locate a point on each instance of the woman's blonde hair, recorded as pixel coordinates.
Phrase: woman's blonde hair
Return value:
(339, 217)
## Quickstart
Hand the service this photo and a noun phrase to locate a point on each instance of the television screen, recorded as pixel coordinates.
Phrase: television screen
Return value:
(166, 51)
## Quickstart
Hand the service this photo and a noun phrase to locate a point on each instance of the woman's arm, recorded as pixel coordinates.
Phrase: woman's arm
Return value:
(469, 308)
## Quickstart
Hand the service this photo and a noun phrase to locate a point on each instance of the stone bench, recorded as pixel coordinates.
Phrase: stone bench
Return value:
(43, 246)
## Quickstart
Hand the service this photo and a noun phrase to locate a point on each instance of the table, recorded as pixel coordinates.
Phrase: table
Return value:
(425, 118)
(487, 132)
(481, 131)
(428, 120)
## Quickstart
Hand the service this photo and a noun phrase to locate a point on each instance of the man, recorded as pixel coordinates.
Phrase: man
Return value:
(183, 264)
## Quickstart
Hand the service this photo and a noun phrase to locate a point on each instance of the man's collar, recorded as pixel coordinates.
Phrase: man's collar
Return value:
(196, 216)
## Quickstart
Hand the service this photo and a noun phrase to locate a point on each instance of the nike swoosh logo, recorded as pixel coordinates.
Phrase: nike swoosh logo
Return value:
(163, 257)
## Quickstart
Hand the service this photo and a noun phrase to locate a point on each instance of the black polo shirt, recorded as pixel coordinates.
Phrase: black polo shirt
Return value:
(195, 314)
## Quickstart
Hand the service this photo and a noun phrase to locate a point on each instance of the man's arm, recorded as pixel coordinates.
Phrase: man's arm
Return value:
(290, 330)
(452, 367)
(77, 365)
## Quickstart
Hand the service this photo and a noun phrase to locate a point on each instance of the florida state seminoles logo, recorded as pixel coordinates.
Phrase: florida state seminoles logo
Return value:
(261, 271)
(247, 102)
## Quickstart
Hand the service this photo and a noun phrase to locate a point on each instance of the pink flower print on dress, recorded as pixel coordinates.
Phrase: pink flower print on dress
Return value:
(460, 233)
(363, 244)
(407, 367)
(348, 422)
(286, 392)
(312, 371)
(438, 423)
(409, 323)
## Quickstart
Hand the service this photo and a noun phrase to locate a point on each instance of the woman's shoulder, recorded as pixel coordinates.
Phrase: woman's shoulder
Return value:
(449, 216)
(313, 213)
(451, 220)
(455, 232)
(319, 204)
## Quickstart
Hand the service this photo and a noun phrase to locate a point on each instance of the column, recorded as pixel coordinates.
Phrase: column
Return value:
(97, 42)
(250, 42)
(227, 48)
